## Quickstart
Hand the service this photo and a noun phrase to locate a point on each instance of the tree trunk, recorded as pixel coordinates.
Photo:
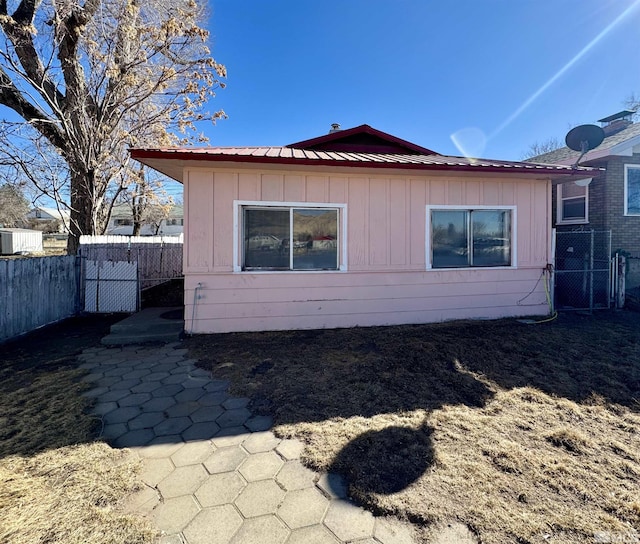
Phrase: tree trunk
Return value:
(86, 216)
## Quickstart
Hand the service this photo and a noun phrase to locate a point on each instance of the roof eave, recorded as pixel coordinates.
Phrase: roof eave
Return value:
(541, 171)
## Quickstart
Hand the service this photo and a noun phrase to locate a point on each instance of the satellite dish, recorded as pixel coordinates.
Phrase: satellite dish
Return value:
(584, 138)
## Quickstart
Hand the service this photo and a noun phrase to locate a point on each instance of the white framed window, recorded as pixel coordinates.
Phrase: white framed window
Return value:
(272, 236)
(631, 189)
(572, 204)
(470, 237)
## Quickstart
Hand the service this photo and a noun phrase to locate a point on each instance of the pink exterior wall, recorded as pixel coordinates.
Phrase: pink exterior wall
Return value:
(387, 281)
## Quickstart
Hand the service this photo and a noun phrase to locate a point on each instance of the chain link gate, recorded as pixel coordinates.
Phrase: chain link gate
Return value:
(116, 269)
(583, 270)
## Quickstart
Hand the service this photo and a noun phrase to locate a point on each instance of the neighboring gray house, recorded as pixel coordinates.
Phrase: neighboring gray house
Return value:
(41, 216)
(610, 201)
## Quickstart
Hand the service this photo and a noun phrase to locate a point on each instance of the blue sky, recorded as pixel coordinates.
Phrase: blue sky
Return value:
(498, 75)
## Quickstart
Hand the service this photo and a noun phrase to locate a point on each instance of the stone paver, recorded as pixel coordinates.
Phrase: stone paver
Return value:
(206, 413)
(259, 498)
(174, 425)
(294, 475)
(233, 418)
(261, 466)
(193, 453)
(220, 489)
(230, 436)
(183, 481)
(290, 449)
(213, 472)
(303, 508)
(333, 485)
(225, 459)
(156, 470)
(263, 530)
(146, 420)
(214, 526)
(173, 515)
(201, 431)
(259, 423)
(261, 441)
(348, 522)
(316, 534)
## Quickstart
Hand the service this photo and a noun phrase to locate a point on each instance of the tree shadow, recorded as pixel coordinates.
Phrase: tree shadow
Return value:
(386, 461)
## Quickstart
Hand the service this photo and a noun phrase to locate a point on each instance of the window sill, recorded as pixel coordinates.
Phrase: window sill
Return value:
(576, 222)
(240, 271)
(431, 269)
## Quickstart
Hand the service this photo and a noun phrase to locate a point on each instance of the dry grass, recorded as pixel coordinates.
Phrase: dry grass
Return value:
(56, 484)
(523, 433)
(69, 495)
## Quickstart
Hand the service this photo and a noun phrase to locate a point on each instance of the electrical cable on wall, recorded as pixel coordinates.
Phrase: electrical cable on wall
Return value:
(546, 274)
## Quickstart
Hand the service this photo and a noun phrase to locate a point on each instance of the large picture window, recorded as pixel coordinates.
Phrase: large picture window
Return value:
(462, 238)
(632, 190)
(572, 203)
(290, 238)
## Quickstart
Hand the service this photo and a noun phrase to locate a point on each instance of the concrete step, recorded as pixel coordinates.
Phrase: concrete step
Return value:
(149, 325)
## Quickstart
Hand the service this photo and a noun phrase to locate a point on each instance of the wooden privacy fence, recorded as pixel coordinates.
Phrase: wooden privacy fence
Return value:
(35, 292)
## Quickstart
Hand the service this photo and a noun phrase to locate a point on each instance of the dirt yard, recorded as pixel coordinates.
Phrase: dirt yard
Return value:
(523, 433)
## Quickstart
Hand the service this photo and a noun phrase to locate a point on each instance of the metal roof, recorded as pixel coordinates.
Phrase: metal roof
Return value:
(359, 147)
(288, 155)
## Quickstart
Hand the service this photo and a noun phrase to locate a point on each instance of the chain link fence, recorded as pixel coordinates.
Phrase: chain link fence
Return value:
(583, 270)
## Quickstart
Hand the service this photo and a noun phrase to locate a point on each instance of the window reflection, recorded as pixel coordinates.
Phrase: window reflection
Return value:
(464, 238)
(293, 238)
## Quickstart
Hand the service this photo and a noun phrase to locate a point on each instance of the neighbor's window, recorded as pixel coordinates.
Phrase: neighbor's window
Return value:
(465, 238)
(290, 238)
(631, 190)
(572, 203)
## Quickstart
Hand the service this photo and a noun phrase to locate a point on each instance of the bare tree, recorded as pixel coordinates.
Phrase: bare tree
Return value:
(92, 79)
(147, 200)
(540, 148)
(14, 206)
(30, 161)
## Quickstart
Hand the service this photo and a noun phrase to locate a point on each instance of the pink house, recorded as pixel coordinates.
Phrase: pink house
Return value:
(358, 228)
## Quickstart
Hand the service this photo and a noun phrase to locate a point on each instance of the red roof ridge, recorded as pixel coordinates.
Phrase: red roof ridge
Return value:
(346, 140)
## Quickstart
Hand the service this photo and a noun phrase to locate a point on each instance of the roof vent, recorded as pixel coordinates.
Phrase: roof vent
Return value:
(616, 122)
(335, 127)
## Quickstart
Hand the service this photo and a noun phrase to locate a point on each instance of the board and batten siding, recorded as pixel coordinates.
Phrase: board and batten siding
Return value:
(386, 281)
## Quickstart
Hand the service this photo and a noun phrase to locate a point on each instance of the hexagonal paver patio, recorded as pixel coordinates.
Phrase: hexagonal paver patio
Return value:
(214, 472)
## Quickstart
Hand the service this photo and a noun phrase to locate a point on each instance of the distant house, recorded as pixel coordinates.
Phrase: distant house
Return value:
(611, 199)
(42, 218)
(358, 228)
(121, 222)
